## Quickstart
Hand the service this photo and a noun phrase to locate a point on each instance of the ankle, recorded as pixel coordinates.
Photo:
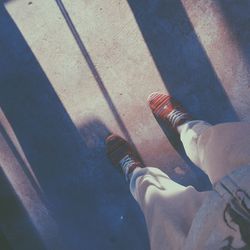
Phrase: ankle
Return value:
(128, 165)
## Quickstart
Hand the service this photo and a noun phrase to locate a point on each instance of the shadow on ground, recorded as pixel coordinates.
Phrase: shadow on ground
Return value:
(14, 218)
(238, 19)
(185, 70)
(89, 201)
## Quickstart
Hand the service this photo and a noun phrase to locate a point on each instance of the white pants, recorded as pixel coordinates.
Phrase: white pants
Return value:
(170, 208)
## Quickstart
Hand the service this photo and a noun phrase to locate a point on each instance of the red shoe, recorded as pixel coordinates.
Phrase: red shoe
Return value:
(122, 155)
(166, 108)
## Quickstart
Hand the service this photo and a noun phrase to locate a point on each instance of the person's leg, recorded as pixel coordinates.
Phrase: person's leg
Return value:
(215, 149)
(168, 207)
(189, 135)
(168, 110)
(223, 148)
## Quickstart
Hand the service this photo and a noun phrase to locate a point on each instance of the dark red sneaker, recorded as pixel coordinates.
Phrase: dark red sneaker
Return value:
(122, 155)
(166, 108)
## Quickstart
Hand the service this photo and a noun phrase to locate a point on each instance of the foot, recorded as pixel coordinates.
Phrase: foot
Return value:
(122, 155)
(167, 109)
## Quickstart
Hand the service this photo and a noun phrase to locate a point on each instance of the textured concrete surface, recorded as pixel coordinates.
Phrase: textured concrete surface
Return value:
(71, 72)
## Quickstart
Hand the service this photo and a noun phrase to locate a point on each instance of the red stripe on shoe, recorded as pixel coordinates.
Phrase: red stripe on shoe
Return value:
(167, 108)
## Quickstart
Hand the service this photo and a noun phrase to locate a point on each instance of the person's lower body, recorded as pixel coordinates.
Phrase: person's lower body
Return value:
(168, 207)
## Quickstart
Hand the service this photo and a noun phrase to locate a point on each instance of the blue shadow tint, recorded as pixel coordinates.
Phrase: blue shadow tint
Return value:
(89, 201)
(13, 212)
(238, 18)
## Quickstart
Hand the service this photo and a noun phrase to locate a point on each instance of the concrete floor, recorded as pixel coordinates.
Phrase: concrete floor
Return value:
(70, 73)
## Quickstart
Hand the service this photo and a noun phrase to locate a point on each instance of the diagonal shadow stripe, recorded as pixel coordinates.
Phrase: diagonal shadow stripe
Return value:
(22, 163)
(93, 69)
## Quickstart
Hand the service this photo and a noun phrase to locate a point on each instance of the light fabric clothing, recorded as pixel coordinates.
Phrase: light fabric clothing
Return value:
(180, 217)
(168, 207)
(209, 230)
(217, 149)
